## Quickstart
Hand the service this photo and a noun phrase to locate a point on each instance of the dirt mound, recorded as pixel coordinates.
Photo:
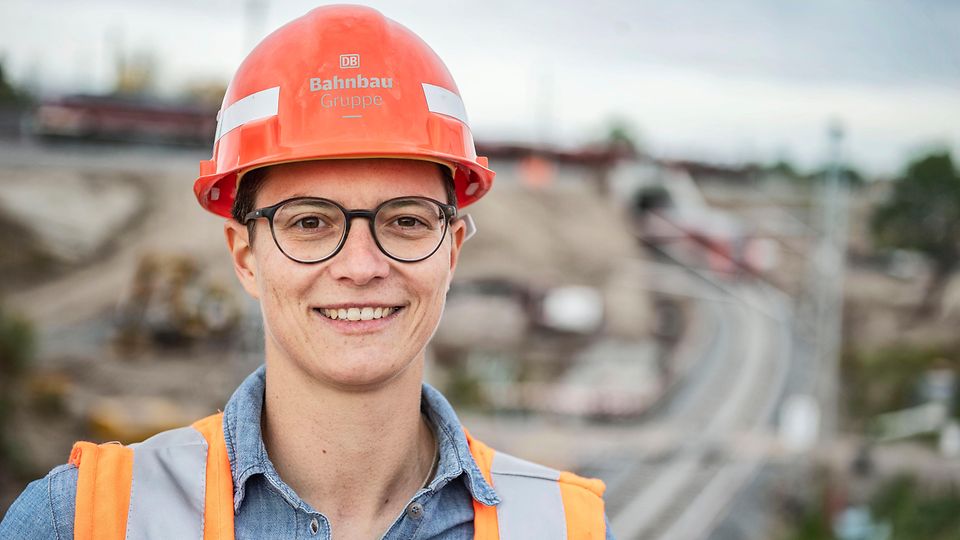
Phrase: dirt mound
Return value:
(23, 259)
(547, 237)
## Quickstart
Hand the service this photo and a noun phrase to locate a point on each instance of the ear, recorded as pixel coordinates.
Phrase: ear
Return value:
(458, 233)
(244, 263)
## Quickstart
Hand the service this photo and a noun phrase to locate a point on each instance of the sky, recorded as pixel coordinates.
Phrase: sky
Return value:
(728, 82)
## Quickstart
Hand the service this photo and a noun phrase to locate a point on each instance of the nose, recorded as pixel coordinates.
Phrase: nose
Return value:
(360, 261)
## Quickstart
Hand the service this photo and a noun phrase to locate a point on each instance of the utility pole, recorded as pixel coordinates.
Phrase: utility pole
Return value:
(829, 272)
(545, 135)
(254, 18)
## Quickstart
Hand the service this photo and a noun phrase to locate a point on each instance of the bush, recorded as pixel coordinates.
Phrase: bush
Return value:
(913, 512)
(16, 346)
(917, 512)
(16, 350)
(886, 380)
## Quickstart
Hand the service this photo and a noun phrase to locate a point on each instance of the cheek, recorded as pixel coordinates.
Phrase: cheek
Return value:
(275, 295)
(281, 284)
(433, 286)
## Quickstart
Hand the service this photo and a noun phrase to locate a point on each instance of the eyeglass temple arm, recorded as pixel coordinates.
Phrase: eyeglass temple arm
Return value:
(252, 215)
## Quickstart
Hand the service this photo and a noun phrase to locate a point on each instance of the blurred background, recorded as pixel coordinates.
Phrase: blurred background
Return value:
(718, 269)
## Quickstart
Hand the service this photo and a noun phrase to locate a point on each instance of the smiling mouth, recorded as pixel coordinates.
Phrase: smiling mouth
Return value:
(358, 313)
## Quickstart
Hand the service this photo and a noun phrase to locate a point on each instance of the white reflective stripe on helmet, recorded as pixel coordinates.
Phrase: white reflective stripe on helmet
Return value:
(167, 492)
(442, 101)
(531, 507)
(262, 104)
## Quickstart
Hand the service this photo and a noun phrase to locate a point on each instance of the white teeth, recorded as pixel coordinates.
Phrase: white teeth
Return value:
(358, 313)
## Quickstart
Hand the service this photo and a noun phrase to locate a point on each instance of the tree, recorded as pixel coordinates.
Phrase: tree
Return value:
(784, 168)
(622, 138)
(923, 215)
(852, 176)
(7, 92)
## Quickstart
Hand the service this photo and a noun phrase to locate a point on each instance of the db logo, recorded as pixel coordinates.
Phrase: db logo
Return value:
(349, 61)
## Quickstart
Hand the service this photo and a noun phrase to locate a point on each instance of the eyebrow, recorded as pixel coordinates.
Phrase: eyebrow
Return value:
(298, 195)
(405, 204)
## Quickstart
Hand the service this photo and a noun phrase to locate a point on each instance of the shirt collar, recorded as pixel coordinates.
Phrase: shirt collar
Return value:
(455, 456)
(248, 456)
(241, 430)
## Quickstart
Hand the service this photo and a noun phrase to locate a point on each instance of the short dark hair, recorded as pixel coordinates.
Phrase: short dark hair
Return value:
(246, 198)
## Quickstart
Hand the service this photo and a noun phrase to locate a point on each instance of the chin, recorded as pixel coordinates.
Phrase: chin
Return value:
(363, 372)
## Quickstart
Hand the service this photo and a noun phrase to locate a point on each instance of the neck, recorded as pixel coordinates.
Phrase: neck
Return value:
(358, 456)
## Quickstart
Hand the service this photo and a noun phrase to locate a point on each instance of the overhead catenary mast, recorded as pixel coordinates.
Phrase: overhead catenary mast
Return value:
(254, 20)
(828, 272)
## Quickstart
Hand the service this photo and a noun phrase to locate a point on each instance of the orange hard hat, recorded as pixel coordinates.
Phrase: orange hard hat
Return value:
(340, 82)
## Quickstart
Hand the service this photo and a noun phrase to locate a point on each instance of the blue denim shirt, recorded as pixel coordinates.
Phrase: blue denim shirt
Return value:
(265, 506)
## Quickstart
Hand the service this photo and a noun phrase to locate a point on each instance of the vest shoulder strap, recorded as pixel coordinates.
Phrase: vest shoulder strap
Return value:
(485, 523)
(583, 506)
(218, 507)
(105, 472)
(536, 501)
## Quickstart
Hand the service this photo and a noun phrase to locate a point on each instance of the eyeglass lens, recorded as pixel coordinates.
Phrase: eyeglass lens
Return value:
(312, 230)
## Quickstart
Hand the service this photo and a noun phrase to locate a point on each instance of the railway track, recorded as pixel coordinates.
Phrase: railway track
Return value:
(732, 393)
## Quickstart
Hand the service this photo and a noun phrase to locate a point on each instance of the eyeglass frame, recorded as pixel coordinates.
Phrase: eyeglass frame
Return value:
(449, 214)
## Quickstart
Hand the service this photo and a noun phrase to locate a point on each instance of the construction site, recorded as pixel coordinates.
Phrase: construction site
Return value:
(654, 360)
(738, 350)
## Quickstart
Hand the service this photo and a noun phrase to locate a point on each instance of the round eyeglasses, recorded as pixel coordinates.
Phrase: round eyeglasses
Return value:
(311, 230)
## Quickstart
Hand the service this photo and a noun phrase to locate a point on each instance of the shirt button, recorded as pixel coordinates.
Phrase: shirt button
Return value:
(314, 526)
(415, 510)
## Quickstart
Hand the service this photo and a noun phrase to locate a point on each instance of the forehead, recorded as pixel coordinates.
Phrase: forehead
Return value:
(353, 182)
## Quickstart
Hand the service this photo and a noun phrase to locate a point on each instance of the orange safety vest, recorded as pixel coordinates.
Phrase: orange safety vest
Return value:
(178, 484)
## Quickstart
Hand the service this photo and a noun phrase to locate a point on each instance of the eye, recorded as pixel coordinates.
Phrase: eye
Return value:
(408, 218)
(310, 222)
(307, 224)
(409, 222)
